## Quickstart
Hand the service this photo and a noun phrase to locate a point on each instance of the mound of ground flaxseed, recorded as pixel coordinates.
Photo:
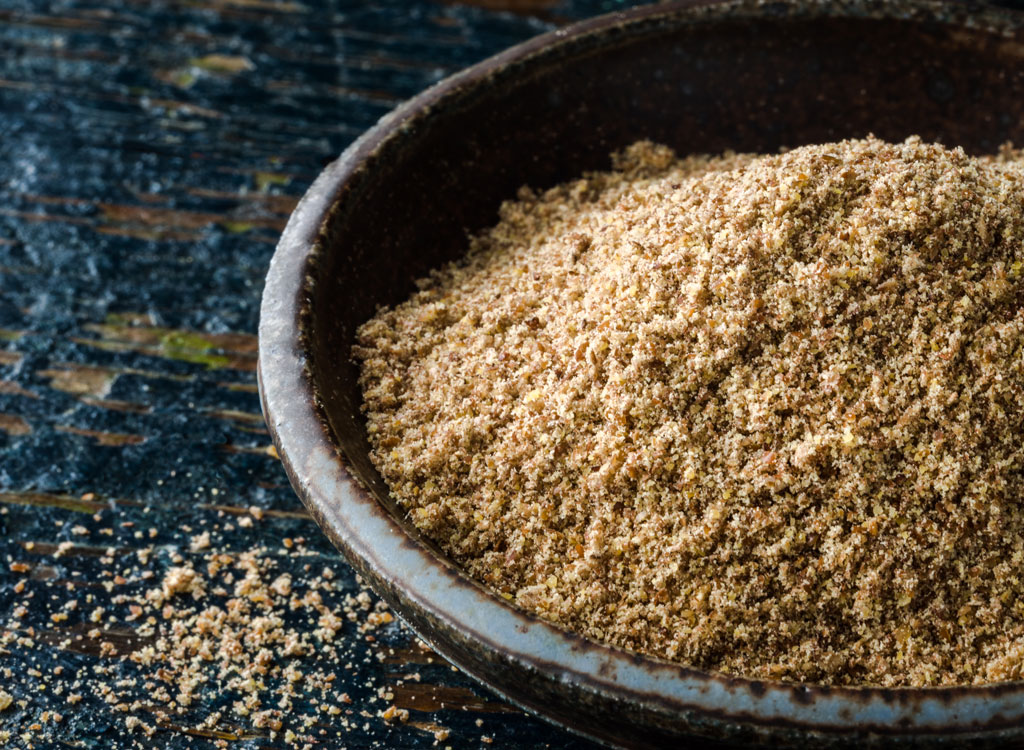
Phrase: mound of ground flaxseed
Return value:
(760, 414)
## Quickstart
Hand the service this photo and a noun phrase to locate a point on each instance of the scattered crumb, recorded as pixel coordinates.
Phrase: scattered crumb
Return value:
(199, 542)
(234, 629)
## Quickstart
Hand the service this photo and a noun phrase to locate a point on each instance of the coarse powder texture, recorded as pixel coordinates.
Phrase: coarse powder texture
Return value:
(757, 414)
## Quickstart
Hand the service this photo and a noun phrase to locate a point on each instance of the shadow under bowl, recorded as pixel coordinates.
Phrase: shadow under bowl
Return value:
(703, 78)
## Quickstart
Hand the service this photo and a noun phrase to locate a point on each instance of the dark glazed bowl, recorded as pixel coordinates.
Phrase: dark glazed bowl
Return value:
(702, 78)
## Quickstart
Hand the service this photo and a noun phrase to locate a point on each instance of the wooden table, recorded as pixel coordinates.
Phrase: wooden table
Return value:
(150, 154)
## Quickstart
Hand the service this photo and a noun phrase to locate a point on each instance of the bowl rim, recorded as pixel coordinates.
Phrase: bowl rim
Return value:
(374, 540)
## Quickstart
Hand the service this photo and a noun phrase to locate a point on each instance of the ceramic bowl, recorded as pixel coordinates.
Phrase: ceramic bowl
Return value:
(701, 77)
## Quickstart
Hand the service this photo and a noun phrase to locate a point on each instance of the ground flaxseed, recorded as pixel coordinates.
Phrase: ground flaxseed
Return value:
(760, 414)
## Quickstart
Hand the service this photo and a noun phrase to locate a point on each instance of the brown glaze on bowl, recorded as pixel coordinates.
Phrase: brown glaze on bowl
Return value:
(702, 77)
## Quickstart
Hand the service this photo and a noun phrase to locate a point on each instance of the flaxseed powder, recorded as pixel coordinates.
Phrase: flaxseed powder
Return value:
(758, 414)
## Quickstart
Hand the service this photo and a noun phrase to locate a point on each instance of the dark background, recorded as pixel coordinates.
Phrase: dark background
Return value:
(150, 154)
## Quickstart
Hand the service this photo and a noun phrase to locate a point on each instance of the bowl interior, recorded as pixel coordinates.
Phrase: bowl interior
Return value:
(772, 77)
